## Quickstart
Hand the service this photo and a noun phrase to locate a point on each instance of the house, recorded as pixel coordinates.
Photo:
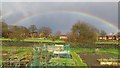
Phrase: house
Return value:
(63, 37)
(102, 37)
(109, 38)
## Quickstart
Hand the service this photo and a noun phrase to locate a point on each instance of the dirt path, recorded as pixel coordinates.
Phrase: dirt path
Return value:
(91, 58)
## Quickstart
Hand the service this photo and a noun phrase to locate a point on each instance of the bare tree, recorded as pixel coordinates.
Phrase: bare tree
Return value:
(32, 28)
(82, 33)
(4, 28)
(46, 31)
(118, 33)
(18, 33)
(72, 37)
(58, 33)
(56, 36)
(102, 33)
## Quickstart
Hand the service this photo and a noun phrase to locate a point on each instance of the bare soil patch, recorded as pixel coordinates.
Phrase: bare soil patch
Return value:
(91, 58)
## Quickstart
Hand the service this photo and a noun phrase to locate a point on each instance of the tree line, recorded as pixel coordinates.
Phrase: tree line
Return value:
(80, 33)
(22, 32)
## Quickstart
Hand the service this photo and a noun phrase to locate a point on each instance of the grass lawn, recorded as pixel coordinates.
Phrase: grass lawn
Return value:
(17, 51)
(107, 50)
(57, 41)
(108, 43)
(18, 48)
(22, 51)
(0, 60)
(4, 39)
(45, 41)
(35, 40)
(110, 50)
(25, 51)
(68, 61)
(78, 60)
(82, 49)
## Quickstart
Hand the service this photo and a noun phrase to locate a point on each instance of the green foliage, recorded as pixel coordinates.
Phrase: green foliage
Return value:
(65, 61)
(77, 50)
(78, 60)
(107, 43)
(17, 52)
(32, 40)
(91, 50)
(111, 50)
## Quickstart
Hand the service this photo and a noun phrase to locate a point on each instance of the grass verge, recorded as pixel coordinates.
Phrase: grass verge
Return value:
(78, 60)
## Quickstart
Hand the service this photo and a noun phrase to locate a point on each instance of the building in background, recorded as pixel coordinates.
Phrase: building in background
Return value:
(63, 37)
(109, 38)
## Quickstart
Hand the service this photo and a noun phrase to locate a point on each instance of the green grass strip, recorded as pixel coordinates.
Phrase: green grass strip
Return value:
(34, 40)
(78, 60)
(67, 61)
(116, 43)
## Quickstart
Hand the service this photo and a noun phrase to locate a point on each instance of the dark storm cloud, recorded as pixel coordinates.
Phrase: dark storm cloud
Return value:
(104, 10)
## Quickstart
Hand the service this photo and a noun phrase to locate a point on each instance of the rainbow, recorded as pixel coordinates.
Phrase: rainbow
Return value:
(74, 12)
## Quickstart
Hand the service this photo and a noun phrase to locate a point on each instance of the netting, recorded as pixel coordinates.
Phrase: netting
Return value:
(44, 54)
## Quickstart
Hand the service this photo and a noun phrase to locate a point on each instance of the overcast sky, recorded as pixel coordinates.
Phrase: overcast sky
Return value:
(15, 12)
(60, 0)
